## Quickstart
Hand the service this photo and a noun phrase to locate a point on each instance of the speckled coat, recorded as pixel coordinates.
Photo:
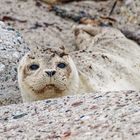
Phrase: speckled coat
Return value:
(107, 58)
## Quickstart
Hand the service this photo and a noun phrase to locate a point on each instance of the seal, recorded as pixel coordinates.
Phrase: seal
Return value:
(105, 61)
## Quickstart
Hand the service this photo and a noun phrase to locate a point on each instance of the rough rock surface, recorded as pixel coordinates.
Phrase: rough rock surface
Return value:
(36, 23)
(39, 25)
(12, 47)
(111, 115)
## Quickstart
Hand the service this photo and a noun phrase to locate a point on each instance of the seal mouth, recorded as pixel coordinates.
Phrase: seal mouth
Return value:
(53, 87)
(50, 86)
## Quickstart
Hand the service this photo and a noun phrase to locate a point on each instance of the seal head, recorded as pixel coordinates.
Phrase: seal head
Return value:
(47, 73)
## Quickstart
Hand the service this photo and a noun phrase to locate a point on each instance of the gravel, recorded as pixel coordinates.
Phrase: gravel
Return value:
(100, 116)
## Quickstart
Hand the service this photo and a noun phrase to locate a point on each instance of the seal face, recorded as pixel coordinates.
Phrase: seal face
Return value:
(46, 73)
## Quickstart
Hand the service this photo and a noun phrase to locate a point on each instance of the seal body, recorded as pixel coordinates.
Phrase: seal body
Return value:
(106, 56)
(105, 61)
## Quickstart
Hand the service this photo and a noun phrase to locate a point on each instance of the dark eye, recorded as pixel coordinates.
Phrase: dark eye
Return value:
(34, 67)
(61, 65)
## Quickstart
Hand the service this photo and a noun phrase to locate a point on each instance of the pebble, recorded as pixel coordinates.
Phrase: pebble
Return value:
(16, 55)
(2, 67)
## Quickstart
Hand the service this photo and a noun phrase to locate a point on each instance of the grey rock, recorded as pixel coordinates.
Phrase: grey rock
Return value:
(95, 116)
(12, 48)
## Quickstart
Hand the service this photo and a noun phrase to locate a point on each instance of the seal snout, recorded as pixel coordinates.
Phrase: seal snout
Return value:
(50, 73)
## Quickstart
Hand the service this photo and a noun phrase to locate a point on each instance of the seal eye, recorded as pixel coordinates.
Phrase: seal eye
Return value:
(61, 65)
(34, 67)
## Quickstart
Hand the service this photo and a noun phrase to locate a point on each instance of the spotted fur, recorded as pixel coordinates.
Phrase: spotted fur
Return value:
(105, 61)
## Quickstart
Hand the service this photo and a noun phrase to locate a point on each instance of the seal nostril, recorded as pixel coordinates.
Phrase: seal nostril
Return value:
(53, 72)
(50, 73)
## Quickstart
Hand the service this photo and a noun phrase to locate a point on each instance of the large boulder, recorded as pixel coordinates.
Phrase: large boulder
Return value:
(12, 47)
(96, 116)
